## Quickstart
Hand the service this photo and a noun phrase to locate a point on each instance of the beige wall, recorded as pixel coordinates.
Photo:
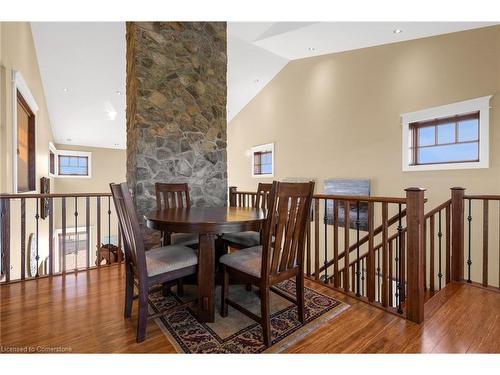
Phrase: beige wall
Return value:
(108, 165)
(338, 116)
(18, 53)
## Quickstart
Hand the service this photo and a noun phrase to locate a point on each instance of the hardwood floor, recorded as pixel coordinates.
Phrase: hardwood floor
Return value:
(84, 312)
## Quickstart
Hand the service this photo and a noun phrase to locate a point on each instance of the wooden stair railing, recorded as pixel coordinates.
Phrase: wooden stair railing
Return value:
(55, 234)
(372, 271)
(464, 226)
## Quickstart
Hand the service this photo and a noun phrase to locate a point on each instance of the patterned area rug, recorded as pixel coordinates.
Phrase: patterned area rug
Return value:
(237, 333)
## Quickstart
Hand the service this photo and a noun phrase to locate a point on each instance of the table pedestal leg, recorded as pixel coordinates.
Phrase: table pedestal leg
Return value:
(206, 283)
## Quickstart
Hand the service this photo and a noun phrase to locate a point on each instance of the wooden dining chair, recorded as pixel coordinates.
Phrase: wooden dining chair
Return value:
(147, 268)
(175, 196)
(275, 260)
(247, 239)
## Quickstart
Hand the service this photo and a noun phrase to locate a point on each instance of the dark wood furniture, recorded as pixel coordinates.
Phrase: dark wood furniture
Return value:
(246, 239)
(172, 196)
(208, 223)
(146, 269)
(274, 261)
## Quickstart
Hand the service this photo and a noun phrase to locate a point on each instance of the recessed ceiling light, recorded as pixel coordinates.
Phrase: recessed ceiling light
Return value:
(256, 80)
(397, 31)
(118, 92)
(65, 89)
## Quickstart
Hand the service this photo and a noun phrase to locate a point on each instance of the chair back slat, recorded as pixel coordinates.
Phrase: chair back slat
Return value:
(172, 196)
(284, 230)
(262, 197)
(129, 225)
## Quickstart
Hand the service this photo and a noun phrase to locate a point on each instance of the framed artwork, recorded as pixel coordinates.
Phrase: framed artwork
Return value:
(348, 187)
(44, 202)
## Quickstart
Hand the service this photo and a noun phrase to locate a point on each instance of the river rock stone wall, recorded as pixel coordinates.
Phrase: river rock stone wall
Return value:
(176, 110)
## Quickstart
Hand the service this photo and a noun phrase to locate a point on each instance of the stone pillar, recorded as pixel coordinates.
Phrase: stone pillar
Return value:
(176, 110)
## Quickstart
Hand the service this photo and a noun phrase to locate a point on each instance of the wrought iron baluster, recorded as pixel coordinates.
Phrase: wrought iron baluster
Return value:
(325, 262)
(378, 275)
(399, 263)
(63, 242)
(37, 218)
(76, 234)
(109, 221)
(358, 271)
(23, 238)
(440, 236)
(363, 262)
(469, 260)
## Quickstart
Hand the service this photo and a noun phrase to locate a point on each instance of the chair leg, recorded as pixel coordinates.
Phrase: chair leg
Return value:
(299, 293)
(180, 288)
(224, 292)
(265, 315)
(165, 289)
(129, 292)
(143, 316)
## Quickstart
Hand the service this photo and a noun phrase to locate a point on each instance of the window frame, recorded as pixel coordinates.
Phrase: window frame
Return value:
(269, 147)
(480, 105)
(52, 151)
(416, 126)
(82, 154)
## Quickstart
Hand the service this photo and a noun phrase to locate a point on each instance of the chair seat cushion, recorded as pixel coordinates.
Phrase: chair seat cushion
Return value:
(248, 260)
(185, 239)
(246, 239)
(169, 258)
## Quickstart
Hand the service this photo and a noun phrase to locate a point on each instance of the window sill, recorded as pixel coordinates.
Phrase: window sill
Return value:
(444, 167)
(59, 176)
(263, 175)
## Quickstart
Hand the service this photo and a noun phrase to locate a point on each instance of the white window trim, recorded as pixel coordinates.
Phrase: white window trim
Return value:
(53, 149)
(481, 104)
(74, 153)
(263, 148)
(19, 84)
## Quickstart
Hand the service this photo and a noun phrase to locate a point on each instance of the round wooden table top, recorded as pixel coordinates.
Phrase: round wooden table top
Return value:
(206, 219)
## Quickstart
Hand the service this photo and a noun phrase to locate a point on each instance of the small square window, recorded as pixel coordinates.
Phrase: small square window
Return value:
(263, 160)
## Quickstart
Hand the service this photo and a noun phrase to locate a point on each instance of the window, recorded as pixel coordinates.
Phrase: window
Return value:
(73, 165)
(447, 140)
(69, 164)
(453, 136)
(26, 153)
(263, 160)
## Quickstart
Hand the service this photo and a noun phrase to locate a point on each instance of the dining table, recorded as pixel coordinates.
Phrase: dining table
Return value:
(210, 223)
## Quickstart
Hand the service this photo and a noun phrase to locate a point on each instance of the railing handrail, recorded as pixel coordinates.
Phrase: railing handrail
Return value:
(52, 195)
(438, 208)
(351, 198)
(487, 197)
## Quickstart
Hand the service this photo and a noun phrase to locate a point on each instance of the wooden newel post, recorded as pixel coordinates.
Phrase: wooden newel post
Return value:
(232, 196)
(415, 254)
(457, 231)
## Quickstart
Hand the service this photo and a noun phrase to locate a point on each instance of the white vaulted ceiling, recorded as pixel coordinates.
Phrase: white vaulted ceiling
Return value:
(83, 65)
(257, 51)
